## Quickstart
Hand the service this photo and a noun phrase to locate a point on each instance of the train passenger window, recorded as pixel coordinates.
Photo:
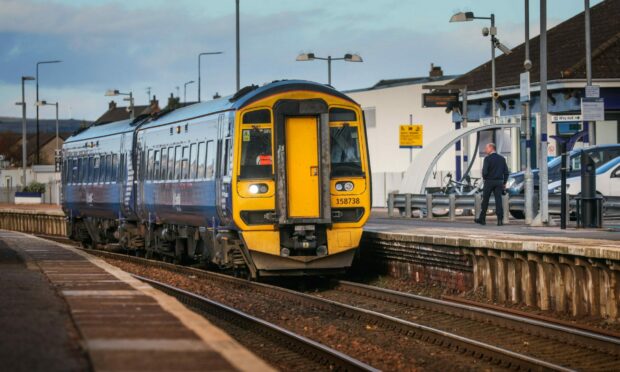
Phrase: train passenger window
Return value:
(185, 163)
(193, 161)
(210, 166)
(177, 163)
(104, 168)
(84, 170)
(170, 163)
(121, 168)
(201, 160)
(226, 160)
(257, 117)
(341, 114)
(95, 170)
(156, 165)
(163, 173)
(149, 165)
(256, 156)
(114, 176)
(345, 151)
(74, 171)
(77, 170)
(87, 177)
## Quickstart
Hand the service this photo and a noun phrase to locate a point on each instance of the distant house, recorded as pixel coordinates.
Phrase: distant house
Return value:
(116, 113)
(13, 151)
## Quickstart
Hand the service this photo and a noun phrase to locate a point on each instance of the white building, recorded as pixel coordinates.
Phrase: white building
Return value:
(389, 104)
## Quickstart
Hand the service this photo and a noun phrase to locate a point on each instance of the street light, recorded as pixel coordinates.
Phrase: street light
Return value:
(303, 57)
(45, 103)
(115, 92)
(200, 55)
(495, 43)
(37, 97)
(24, 131)
(185, 89)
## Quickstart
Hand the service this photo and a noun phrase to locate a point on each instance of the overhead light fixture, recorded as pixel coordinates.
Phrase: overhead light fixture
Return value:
(353, 58)
(305, 57)
(462, 17)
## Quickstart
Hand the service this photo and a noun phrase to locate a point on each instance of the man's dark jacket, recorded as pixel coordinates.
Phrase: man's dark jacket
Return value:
(495, 168)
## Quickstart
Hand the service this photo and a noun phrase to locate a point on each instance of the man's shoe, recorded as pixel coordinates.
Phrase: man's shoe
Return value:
(500, 222)
(480, 222)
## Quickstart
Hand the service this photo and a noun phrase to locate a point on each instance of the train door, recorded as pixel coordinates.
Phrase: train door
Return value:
(302, 167)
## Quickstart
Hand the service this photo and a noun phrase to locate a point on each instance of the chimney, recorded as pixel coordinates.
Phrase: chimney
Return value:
(173, 102)
(435, 71)
(111, 105)
(154, 105)
(217, 95)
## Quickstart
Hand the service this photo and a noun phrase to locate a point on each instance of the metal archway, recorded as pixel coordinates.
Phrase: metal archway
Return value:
(430, 155)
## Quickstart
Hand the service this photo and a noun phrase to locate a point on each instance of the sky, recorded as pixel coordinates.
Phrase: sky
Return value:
(132, 45)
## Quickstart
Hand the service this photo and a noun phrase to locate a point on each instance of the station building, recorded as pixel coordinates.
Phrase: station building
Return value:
(389, 104)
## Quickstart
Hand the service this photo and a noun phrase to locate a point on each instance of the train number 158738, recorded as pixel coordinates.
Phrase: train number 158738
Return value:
(347, 201)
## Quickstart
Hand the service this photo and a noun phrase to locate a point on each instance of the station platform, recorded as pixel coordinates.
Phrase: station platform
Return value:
(64, 310)
(601, 243)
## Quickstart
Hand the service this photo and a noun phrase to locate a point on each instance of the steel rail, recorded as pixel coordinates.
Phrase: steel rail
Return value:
(590, 340)
(303, 346)
(494, 355)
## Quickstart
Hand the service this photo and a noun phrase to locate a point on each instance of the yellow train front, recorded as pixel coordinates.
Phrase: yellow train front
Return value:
(300, 186)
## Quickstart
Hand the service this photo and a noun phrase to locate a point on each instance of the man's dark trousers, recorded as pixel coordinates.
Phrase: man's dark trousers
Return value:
(494, 187)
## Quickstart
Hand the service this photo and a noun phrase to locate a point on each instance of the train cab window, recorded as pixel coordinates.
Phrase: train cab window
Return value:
(342, 114)
(193, 161)
(345, 151)
(257, 117)
(201, 160)
(256, 157)
(210, 166)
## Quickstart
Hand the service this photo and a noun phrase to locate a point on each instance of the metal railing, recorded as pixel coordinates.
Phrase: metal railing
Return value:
(432, 206)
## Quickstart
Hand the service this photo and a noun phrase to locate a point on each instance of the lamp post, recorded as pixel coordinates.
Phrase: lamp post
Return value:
(24, 130)
(45, 103)
(185, 90)
(37, 98)
(114, 92)
(347, 58)
(495, 43)
(200, 55)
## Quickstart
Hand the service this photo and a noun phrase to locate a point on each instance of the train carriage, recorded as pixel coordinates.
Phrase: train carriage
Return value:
(273, 180)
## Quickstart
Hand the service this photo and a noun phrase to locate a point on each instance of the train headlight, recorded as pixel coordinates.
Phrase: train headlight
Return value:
(258, 188)
(345, 186)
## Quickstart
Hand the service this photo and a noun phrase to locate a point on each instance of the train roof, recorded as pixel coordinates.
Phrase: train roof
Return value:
(96, 131)
(241, 99)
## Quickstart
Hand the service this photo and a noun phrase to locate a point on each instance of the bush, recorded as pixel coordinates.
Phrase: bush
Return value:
(35, 187)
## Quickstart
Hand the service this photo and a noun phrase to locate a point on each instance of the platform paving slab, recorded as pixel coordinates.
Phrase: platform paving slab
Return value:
(119, 323)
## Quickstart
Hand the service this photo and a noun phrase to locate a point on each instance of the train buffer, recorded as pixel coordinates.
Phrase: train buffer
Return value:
(62, 310)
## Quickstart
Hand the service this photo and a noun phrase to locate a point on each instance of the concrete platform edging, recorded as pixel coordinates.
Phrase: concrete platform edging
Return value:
(562, 277)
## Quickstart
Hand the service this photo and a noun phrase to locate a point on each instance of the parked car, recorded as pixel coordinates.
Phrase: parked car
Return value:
(601, 154)
(607, 181)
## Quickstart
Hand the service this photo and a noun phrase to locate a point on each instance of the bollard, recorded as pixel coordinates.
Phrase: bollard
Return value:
(477, 205)
(452, 207)
(429, 206)
(391, 205)
(506, 205)
(408, 205)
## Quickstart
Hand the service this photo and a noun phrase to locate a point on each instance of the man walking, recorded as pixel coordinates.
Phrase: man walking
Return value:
(495, 174)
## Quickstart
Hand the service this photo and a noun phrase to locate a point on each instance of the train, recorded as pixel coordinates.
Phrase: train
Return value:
(272, 181)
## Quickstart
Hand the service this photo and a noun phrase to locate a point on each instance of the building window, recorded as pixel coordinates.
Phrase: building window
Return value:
(370, 115)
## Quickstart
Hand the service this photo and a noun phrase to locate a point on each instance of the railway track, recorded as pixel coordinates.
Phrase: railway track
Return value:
(458, 345)
(559, 344)
(286, 348)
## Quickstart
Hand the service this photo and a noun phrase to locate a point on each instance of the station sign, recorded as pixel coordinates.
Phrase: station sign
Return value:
(563, 118)
(509, 119)
(524, 86)
(411, 136)
(439, 99)
(592, 109)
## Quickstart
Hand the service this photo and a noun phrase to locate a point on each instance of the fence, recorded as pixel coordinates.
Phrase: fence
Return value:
(34, 222)
(449, 204)
(51, 195)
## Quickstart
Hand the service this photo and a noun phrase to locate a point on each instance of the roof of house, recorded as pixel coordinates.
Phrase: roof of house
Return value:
(118, 113)
(390, 83)
(565, 52)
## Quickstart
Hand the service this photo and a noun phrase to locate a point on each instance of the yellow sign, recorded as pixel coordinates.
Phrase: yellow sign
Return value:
(411, 136)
